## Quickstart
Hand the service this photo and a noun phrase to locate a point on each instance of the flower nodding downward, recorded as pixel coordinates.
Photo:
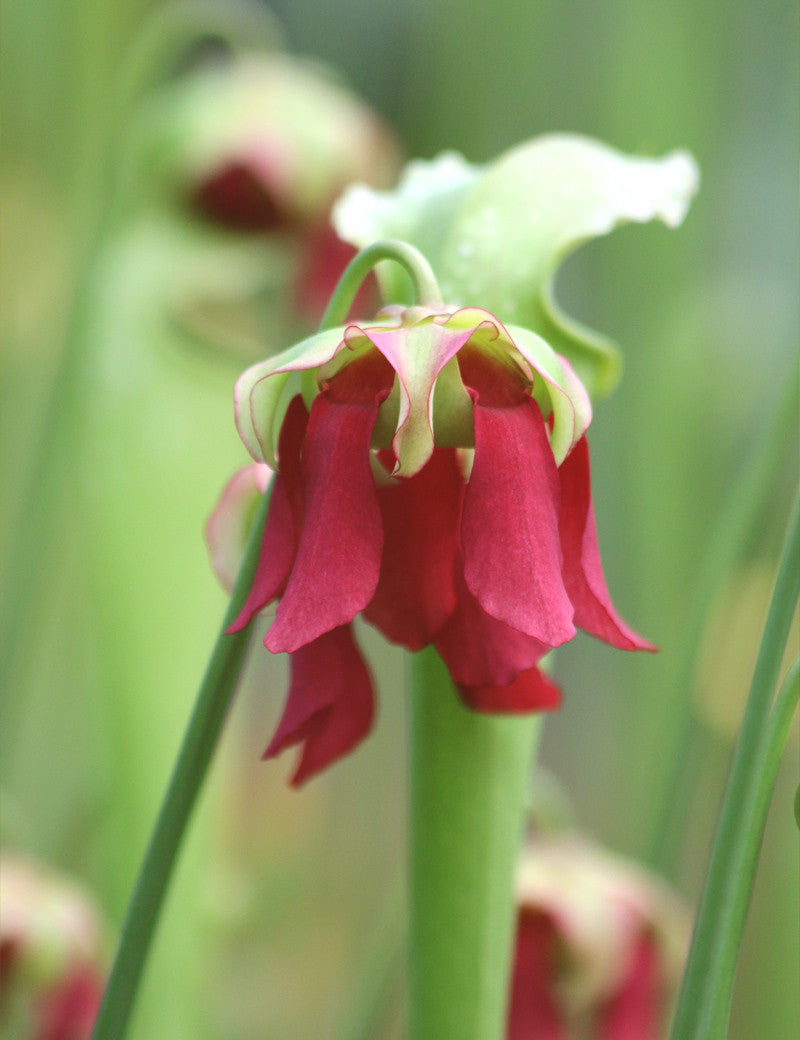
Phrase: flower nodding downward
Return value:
(432, 474)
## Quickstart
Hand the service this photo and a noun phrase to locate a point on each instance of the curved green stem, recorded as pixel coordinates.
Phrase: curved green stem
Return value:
(469, 786)
(187, 777)
(421, 273)
(704, 1002)
(33, 541)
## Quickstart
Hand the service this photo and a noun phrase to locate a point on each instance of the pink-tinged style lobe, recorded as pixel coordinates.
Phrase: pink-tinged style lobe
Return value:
(338, 560)
(509, 528)
(583, 571)
(635, 1011)
(330, 706)
(478, 649)
(279, 542)
(534, 1012)
(418, 356)
(420, 515)
(532, 690)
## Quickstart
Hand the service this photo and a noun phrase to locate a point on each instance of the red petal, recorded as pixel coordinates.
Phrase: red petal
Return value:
(534, 1012)
(68, 1011)
(478, 649)
(415, 594)
(530, 691)
(336, 570)
(512, 556)
(279, 541)
(583, 571)
(635, 1011)
(330, 706)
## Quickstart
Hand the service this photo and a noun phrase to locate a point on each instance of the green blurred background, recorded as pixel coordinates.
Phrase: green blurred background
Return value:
(278, 915)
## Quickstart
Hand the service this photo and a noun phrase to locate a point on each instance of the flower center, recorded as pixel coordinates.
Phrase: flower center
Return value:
(234, 197)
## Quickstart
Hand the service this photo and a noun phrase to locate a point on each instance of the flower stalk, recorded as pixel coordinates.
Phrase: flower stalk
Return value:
(426, 288)
(469, 785)
(190, 769)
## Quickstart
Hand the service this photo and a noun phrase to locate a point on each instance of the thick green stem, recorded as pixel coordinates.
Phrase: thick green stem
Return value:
(704, 1002)
(469, 785)
(190, 769)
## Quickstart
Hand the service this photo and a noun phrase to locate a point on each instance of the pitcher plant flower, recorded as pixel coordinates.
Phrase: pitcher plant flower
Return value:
(257, 148)
(224, 181)
(428, 470)
(52, 953)
(276, 140)
(432, 475)
(600, 945)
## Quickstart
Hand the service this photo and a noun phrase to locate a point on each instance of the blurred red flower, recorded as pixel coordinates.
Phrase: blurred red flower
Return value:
(599, 946)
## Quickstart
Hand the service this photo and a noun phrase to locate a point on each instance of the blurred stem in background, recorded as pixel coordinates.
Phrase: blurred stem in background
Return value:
(33, 547)
(97, 217)
(747, 501)
(704, 1002)
(104, 497)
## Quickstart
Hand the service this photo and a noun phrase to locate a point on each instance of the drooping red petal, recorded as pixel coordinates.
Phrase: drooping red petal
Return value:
(416, 593)
(534, 1012)
(635, 1011)
(478, 649)
(336, 569)
(279, 542)
(509, 528)
(583, 571)
(330, 706)
(530, 691)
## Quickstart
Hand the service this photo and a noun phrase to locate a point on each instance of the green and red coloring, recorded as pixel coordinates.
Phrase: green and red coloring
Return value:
(600, 944)
(431, 474)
